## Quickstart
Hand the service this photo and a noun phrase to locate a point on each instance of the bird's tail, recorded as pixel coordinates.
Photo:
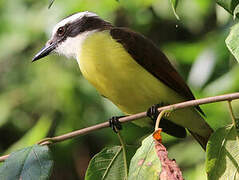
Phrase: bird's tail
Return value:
(202, 140)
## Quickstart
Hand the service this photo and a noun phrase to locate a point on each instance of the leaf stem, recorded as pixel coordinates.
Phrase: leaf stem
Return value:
(124, 154)
(232, 114)
(234, 121)
(161, 114)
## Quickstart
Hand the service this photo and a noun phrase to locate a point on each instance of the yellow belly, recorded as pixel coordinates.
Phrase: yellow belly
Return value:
(113, 72)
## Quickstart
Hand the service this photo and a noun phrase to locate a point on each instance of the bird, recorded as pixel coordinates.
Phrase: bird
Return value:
(128, 69)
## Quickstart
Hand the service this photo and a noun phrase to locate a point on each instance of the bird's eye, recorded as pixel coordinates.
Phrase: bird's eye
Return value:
(61, 31)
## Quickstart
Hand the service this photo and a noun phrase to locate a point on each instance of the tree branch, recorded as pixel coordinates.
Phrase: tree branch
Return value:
(48, 141)
(3, 158)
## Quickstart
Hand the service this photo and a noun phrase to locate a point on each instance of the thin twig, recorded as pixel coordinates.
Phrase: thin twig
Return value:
(232, 114)
(160, 116)
(50, 3)
(234, 121)
(124, 154)
(226, 97)
(3, 158)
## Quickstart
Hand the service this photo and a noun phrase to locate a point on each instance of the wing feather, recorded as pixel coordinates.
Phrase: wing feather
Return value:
(146, 53)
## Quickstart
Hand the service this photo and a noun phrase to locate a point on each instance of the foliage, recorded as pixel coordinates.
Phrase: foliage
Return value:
(50, 97)
(145, 163)
(33, 135)
(33, 162)
(229, 5)
(232, 41)
(222, 154)
(174, 6)
(108, 164)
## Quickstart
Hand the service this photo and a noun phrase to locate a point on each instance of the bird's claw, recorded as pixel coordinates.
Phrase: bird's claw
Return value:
(115, 124)
(152, 112)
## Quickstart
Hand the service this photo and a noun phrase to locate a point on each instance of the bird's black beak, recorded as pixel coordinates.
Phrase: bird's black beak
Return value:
(44, 51)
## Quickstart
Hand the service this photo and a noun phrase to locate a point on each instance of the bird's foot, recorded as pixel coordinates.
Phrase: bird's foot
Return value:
(115, 124)
(152, 112)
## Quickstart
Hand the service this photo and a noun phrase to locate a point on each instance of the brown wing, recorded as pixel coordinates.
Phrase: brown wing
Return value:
(145, 52)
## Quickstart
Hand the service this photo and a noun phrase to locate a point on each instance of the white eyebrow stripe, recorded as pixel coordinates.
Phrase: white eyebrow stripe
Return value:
(72, 18)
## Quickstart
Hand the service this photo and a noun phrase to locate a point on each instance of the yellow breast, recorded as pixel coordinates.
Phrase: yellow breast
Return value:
(108, 66)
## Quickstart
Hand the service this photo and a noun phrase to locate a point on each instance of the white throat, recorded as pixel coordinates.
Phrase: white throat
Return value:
(72, 46)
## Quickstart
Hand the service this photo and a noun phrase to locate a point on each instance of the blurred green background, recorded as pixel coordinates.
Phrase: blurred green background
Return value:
(50, 97)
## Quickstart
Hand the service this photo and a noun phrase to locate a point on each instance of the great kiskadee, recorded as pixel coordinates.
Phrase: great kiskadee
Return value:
(128, 69)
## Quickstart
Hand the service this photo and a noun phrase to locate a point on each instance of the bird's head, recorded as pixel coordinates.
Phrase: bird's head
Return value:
(69, 33)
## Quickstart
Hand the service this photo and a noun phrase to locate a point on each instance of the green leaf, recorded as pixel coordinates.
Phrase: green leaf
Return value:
(50, 3)
(229, 5)
(109, 164)
(145, 163)
(223, 154)
(232, 41)
(174, 4)
(33, 162)
(38, 132)
(236, 11)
